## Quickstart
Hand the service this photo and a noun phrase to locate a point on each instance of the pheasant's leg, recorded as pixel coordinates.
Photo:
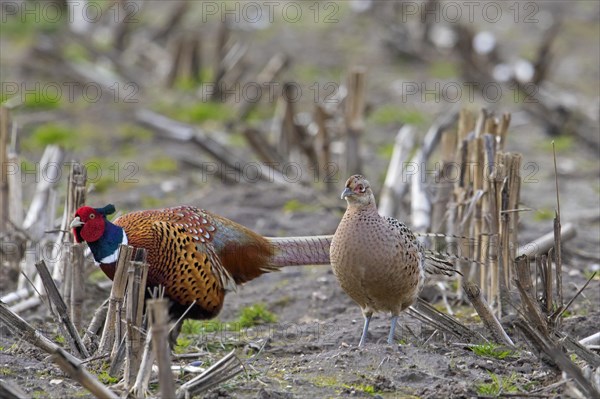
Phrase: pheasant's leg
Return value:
(392, 329)
(363, 337)
(174, 334)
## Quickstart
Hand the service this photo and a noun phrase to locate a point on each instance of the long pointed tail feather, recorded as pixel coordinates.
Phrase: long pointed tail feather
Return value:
(435, 265)
(297, 251)
(443, 235)
(448, 255)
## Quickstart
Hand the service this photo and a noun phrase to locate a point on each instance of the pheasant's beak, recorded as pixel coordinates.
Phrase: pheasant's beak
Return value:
(76, 222)
(347, 192)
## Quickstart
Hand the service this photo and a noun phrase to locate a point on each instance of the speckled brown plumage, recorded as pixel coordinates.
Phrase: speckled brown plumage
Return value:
(377, 260)
(194, 254)
(182, 245)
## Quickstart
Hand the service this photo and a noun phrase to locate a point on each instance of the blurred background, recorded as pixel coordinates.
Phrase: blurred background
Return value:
(261, 110)
(96, 77)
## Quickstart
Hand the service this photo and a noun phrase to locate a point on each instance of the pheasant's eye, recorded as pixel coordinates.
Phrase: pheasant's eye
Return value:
(92, 216)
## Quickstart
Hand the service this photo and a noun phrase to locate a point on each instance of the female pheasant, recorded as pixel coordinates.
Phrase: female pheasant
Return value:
(193, 253)
(377, 260)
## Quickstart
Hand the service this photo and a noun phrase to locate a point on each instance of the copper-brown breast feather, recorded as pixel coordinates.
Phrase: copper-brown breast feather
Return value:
(180, 262)
(187, 269)
(243, 254)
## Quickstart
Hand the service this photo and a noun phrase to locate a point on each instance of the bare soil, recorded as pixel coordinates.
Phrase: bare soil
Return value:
(311, 351)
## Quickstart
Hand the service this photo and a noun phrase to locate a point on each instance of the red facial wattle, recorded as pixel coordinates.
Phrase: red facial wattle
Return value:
(93, 228)
(93, 225)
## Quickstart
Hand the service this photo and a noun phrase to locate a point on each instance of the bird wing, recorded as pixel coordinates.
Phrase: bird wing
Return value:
(189, 269)
(432, 264)
(402, 228)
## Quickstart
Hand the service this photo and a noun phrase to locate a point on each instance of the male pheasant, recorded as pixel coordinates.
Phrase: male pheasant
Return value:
(193, 253)
(377, 260)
